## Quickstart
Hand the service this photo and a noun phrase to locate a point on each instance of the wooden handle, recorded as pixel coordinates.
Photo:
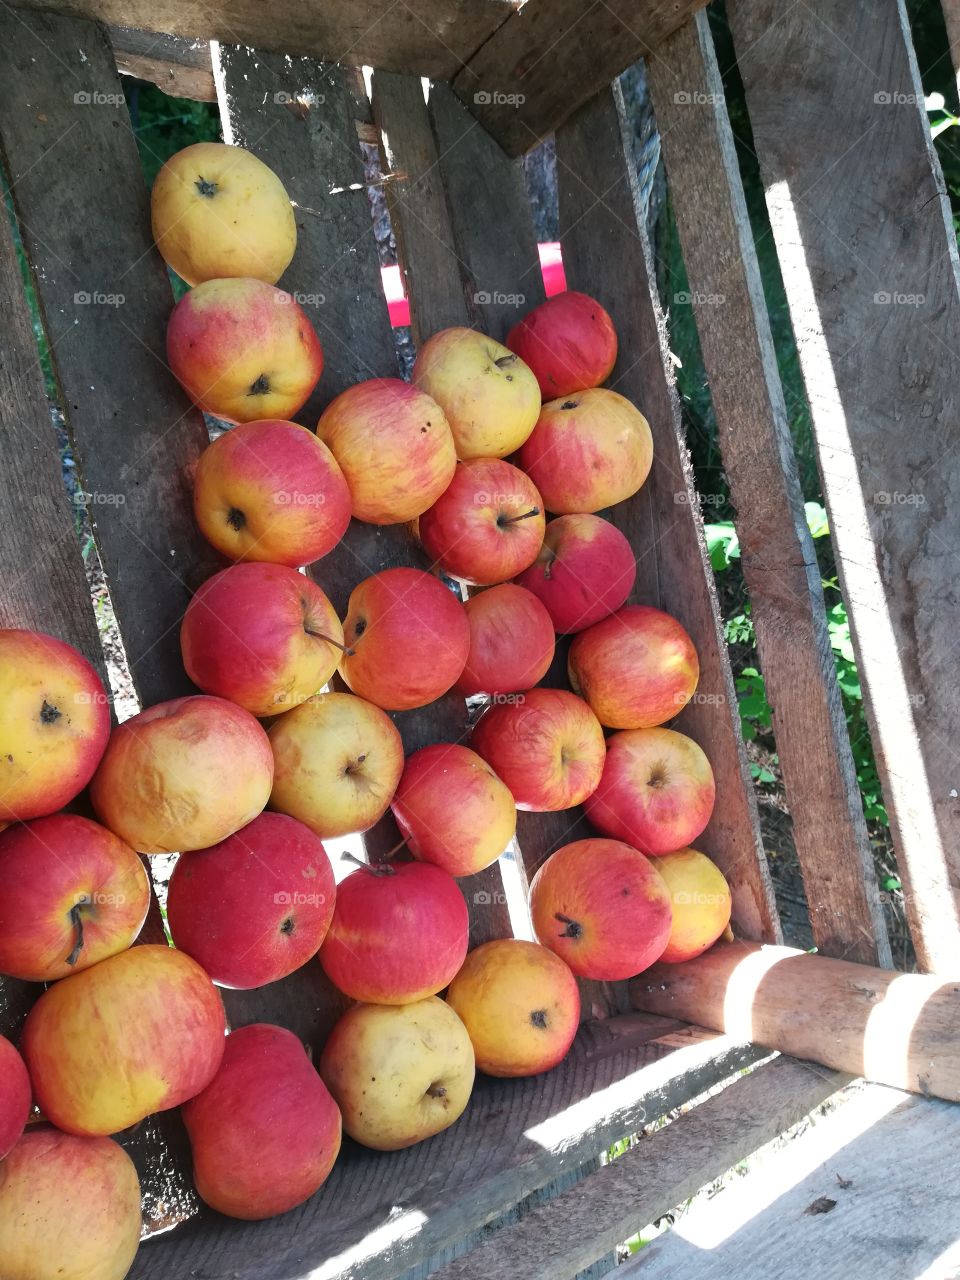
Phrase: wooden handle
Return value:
(900, 1029)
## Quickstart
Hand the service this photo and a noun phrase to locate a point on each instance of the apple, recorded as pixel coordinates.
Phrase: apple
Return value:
(69, 1208)
(183, 775)
(54, 724)
(261, 635)
(490, 397)
(15, 1098)
(256, 906)
(546, 745)
(394, 446)
(589, 450)
(407, 639)
(511, 641)
(584, 571)
(338, 760)
(453, 810)
(71, 894)
(487, 525)
(701, 903)
(568, 341)
(265, 1132)
(138, 1033)
(601, 906)
(399, 933)
(243, 350)
(399, 1073)
(637, 669)
(219, 211)
(656, 792)
(520, 1004)
(271, 491)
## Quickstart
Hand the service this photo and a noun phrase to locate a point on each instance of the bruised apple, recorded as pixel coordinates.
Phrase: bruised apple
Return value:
(701, 903)
(511, 641)
(584, 571)
(568, 341)
(15, 1095)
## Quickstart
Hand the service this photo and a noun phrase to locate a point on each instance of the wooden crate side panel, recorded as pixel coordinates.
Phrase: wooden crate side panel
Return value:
(181, 68)
(606, 254)
(869, 262)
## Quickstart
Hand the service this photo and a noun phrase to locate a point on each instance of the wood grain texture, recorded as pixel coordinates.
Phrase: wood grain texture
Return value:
(551, 56)
(777, 552)
(379, 1214)
(180, 67)
(558, 1239)
(606, 253)
(869, 262)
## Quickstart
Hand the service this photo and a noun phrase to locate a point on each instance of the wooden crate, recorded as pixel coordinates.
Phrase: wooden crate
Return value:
(857, 210)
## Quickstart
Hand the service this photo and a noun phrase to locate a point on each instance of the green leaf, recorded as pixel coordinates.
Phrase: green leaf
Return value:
(722, 543)
(816, 519)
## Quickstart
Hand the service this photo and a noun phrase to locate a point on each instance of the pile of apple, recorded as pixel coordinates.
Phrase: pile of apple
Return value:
(121, 1031)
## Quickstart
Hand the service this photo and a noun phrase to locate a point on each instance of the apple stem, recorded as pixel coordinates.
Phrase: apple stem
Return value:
(336, 643)
(374, 868)
(573, 929)
(76, 917)
(534, 511)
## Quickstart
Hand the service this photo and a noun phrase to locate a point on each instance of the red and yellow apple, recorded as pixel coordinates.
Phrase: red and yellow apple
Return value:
(453, 810)
(701, 903)
(487, 525)
(183, 775)
(15, 1098)
(69, 1208)
(547, 746)
(255, 907)
(271, 491)
(602, 907)
(219, 211)
(138, 1033)
(407, 639)
(520, 1004)
(637, 669)
(568, 341)
(589, 450)
(54, 724)
(511, 641)
(71, 894)
(394, 446)
(490, 397)
(399, 933)
(338, 760)
(399, 1073)
(261, 635)
(656, 792)
(243, 350)
(584, 571)
(265, 1132)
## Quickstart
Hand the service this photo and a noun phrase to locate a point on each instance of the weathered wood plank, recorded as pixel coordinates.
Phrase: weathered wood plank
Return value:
(869, 262)
(180, 67)
(606, 253)
(777, 552)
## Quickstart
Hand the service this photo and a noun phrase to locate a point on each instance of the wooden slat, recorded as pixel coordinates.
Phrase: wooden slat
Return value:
(552, 56)
(380, 1214)
(951, 15)
(606, 253)
(869, 261)
(180, 67)
(558, 1239)
(778, 556)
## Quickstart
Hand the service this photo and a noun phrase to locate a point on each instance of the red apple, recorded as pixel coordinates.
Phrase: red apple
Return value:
(71, 894)
(243, 350)
(399, 933)
(602, 907)
(656, 792)
(14, 1097)
(265, 1132)
(54, 724)
(584, 571)
(407, 639)
(568, 341)
(271, 491)
(394, 446)
(546, 745)
(487, 525)
(589, 450)
(261, 635)
(183, 775)
(511, 641)
(257, 905)
(453, 810)
(138, 1033)
(637, 669)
